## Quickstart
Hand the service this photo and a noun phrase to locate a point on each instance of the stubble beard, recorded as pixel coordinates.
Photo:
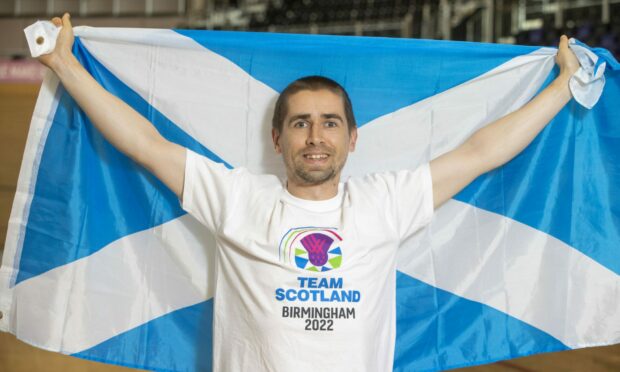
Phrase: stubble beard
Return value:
(316, 177)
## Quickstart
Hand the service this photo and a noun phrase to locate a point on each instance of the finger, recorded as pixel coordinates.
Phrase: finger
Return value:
(57, 21)
(66, 20)
(563, 42)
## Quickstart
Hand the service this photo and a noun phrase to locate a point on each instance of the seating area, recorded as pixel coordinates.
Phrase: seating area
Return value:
(581, 23)
(595, 22)
(329, 11)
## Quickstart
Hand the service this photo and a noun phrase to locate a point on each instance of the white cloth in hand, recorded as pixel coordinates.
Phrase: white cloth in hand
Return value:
(587, 83)
(41, 37)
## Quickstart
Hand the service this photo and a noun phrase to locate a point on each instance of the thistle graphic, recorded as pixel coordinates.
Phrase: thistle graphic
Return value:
(317, 245)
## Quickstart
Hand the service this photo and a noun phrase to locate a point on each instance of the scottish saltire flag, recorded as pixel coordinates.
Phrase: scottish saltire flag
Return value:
(102, 263)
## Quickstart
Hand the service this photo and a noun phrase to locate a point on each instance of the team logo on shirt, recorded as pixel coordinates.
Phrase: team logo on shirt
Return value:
(312, 248)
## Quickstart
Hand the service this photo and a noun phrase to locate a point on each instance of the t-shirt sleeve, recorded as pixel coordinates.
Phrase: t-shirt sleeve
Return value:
(412, 199)
(207, 189)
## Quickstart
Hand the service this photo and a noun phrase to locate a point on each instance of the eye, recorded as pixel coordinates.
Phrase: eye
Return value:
(331, 124)
(300, 124)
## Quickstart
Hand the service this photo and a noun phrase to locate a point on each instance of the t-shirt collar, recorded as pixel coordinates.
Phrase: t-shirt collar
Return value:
(326, 205)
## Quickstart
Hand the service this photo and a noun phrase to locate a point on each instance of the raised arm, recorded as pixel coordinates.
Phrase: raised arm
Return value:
(500, 141)
(121, 125)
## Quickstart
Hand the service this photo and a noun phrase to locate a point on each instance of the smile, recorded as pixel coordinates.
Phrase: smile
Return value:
(316, 156)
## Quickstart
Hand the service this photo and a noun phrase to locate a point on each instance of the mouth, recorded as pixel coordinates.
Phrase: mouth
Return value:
(316, 156)
(316, 159)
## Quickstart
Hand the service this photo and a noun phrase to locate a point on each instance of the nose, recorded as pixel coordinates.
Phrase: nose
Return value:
(315, 135)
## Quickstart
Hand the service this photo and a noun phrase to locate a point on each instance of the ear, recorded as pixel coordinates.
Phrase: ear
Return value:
(275, 136)
(352, 139)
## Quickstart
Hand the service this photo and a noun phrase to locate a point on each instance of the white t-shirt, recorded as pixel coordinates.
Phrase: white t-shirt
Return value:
(305, 285)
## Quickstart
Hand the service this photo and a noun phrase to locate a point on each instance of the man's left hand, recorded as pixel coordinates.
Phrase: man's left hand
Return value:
(566, 59)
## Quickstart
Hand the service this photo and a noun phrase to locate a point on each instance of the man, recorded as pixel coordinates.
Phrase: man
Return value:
(305, 269)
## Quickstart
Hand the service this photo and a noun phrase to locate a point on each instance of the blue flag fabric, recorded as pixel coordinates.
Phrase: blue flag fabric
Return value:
(102, 263)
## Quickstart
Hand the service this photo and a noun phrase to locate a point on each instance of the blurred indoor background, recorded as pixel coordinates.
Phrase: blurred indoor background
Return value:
(528, 22)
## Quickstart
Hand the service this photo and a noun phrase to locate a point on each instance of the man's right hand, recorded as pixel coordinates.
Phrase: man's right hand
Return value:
(120, 124)
(64, 43)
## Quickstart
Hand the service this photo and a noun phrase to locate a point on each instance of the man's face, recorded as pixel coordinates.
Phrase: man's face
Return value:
(315, 139)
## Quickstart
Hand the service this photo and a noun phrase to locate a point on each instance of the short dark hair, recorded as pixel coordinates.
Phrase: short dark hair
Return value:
(312, 83)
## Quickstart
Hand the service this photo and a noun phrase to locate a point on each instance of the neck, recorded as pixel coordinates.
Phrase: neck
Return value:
(323, 191)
